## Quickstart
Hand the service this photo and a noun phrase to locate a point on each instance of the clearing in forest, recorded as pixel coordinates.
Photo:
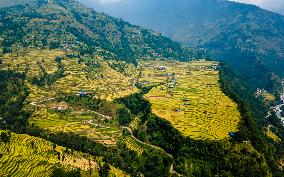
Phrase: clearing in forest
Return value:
(189, 96)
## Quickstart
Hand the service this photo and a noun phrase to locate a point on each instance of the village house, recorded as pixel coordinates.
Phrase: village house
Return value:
(82, 93)
(161, 68)
(61, 107)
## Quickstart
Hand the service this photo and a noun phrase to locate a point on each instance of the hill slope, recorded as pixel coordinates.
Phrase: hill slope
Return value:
(69, 25)
(247, 37)
(4, 3)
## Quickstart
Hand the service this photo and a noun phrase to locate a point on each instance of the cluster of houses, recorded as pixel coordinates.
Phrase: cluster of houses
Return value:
(68, 46)
(260, 92)
(207, 68)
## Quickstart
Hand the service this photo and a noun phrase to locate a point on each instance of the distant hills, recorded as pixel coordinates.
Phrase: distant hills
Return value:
(249, 38)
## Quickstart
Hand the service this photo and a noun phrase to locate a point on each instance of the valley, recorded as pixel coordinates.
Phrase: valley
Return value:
(82, 100)
(186, 94)
(84, 94)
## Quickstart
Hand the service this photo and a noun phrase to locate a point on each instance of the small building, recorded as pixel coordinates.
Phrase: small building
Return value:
(61, 107)
(178, 109)
(162, 68)
(171, 93)
(82, 93)
(185, 99)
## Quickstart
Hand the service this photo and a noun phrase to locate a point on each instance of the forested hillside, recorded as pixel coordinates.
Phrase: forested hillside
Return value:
(5, 3)
(71, 26)
(247, 37)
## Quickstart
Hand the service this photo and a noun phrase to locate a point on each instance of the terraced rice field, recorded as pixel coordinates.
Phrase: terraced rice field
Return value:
(25, 155)
(30, 61)
(102, 80)
(275, 138)
(82, 122)
(107, 80)
(134, 124)
(191, 98)
(117, 172)
(132, 145)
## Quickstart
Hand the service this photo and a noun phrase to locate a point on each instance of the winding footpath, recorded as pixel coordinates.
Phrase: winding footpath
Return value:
(172, 171)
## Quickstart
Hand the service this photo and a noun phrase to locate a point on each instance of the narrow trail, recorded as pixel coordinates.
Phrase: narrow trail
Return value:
(172, 171)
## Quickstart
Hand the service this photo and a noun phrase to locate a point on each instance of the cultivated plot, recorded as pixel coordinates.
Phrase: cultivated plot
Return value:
(190, 98)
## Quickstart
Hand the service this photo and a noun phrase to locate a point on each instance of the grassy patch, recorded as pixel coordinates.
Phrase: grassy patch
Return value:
(275, 138)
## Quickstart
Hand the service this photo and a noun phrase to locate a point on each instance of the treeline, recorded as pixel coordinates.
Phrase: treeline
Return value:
(13, 94)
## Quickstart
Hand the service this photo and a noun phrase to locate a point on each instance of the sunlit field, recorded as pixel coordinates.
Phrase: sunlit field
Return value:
(189, 96)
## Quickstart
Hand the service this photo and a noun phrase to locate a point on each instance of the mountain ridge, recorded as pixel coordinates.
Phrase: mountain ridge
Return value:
(85, 29)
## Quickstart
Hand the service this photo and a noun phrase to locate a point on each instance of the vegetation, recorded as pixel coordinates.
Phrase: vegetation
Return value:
(83, 31)
(200, 158)
(30, 156)
(191, 99)
(131, 145)
(72, 77)
(15, 92)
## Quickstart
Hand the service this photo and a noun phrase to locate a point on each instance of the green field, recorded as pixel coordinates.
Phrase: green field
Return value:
(76, 120)
(190, 98)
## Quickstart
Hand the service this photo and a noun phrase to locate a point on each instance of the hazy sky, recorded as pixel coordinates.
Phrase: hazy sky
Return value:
(273, 5)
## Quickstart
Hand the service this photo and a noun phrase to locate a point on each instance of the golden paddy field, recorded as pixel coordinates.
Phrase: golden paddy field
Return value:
(189, 96)
(26, 155)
